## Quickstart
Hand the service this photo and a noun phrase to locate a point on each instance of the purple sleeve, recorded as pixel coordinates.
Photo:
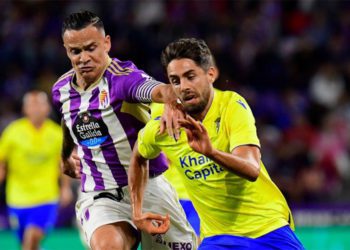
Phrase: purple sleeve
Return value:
(56, 92)
(132, 84)
(56, 98)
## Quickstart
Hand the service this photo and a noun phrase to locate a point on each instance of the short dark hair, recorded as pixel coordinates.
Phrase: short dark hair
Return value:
(191, 48)
(80, 20)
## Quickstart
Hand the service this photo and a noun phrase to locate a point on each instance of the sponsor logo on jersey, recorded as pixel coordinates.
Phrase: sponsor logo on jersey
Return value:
(89, 130)
(209, 167)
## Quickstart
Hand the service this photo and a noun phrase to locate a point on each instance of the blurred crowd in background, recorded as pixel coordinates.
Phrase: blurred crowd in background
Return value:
(290, 59)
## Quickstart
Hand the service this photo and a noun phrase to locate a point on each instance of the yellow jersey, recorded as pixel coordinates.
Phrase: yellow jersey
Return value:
(32, 157)
(225, 202)
(171, 174)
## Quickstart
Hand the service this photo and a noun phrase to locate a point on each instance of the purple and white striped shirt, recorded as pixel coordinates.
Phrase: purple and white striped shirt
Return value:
(104, 121)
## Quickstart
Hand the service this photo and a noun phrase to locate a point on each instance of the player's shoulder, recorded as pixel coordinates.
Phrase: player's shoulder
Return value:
(63, 80)
(53, 125)
(230, 99)
(227, 95)
(153, 125)
(150, 131)
(119, 68)
(16, 125)
(55, 130)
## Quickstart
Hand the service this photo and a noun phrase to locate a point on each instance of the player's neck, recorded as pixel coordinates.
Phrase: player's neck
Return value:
(37, 124)
(200, 116)
(83, 83)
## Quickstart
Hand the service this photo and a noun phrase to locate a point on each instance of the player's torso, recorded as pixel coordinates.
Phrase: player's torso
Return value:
(35, 153)
(104, 127)
(226, 203)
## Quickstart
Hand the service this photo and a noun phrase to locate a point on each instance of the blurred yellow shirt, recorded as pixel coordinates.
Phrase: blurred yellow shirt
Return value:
(225, 202)
(32, 157)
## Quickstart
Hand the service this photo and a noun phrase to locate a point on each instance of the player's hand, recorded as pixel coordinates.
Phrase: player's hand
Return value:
(169, 121)
(71, 166)
(197, 135)
(152, 223)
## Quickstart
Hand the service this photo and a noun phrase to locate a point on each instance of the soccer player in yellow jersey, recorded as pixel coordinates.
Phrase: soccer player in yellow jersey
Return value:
(218, 158)
(30, 150)
(176, 181)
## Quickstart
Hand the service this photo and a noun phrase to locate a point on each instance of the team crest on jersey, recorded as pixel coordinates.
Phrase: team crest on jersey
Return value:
(104, 98)
(85, 117)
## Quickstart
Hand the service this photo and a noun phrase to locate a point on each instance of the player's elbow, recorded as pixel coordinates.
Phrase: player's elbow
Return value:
(254, 173)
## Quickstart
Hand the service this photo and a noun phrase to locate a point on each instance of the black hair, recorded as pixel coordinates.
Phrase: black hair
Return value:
(191, 48)
(80, 20)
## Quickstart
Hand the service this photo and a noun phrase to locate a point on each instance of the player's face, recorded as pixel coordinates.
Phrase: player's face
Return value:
(36, 107)
(87, 50)
(192, 84)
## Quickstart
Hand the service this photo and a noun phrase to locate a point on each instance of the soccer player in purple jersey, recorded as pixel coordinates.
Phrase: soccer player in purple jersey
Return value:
(103, 102)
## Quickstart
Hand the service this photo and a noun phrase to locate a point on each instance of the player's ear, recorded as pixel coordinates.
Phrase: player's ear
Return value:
(107, 43)
(212, 74)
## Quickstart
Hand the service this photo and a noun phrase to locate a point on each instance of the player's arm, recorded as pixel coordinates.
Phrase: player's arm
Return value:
(137, 179)
(2, 171)
(66, 194)
(70, 161)
(164, 93)
(243, 160)
(140, 87)
(4, 152)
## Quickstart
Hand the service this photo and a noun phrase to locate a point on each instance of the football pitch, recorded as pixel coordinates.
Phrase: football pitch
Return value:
(313, 238)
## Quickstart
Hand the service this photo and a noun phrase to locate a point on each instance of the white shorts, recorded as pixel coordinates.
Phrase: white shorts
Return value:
(160, 197)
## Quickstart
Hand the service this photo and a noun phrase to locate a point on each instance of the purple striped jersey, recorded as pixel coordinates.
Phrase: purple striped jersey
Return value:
(104, 121)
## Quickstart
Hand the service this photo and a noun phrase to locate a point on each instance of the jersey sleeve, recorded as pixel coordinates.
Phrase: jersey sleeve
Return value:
(56, 99)
(135, 84)
(5, 143)
(241, 126)
(147, 141)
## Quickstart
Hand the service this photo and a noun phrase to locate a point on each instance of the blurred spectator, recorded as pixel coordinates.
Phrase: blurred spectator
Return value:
(327, 86)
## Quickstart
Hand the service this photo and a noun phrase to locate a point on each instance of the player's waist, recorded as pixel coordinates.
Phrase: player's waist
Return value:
(242, 229)
(116, 194)
(97, 183)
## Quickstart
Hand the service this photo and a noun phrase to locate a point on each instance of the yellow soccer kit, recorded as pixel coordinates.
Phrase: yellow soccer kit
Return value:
(32, 157)
(171, 174)
(225, 202)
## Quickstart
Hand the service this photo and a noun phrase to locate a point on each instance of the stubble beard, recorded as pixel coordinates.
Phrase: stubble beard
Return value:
(197, 109)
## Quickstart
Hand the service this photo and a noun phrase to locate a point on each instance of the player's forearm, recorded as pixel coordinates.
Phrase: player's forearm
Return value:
(164, 93)
(137, 179)
(68, 145)
(246, 167)
(2, 172)
(65, 182)
(68, 168)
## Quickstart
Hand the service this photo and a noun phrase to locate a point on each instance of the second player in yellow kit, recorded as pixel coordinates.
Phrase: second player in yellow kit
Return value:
(217, 157)
(219, 195)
